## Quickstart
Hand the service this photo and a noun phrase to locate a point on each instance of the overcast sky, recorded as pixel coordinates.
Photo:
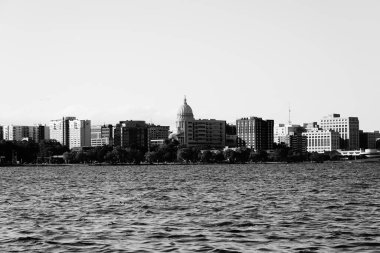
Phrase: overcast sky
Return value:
(118, 60)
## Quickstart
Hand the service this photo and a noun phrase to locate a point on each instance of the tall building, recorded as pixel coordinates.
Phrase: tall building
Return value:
(101, 135)
(59, 130)
(131, 134)
(71, 132)
(156, 134)
(1, 133)
(79, 133)
(201, 132)
(41, 132)
(255, 133)
(319, 140)
(347, 127)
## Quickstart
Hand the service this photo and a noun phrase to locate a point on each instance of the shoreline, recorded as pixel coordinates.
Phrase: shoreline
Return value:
(373, 160)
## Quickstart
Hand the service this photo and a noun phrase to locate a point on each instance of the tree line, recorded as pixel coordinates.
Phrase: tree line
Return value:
(170, 152)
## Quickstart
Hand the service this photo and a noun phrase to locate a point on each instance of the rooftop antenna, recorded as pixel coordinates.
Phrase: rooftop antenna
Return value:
(289, 121)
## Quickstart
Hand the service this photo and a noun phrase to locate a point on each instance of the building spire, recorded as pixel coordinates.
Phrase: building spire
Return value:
(185, 102)
(289, 122)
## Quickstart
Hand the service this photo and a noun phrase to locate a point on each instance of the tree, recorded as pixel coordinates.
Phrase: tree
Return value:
(206, 156)
(151, 157)
(219, 157)
(230, 155)
(184, 155)
(316, 157)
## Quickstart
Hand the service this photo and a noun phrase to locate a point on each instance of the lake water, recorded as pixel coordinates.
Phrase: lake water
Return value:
(208, 208)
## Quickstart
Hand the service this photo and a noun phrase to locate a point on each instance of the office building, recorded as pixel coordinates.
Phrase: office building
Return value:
(347, 127)
(41, 132)
(255, 133)
(368, 139)
(231, 136)
(208, 133)
(131, 134)
(157, 133)
(18, 133)
(101, 135)
(319, 140)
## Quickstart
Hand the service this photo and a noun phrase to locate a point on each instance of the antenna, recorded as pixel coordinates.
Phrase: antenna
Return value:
(289, 122)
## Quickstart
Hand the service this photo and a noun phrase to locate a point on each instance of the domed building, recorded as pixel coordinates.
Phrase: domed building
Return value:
(201, 132)
(185, 112)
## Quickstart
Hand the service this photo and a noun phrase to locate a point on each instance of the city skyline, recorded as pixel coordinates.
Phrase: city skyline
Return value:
(111, 61)
(172, 124)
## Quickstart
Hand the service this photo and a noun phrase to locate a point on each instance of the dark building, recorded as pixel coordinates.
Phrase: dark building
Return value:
(231, 137)
(42, 133)
(367, 140)
(131, 134)
(255, 133)
(157, 132)
(298, 143)
(1, 133)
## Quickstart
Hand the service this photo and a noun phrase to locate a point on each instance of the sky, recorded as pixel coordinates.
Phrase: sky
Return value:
(111, 60)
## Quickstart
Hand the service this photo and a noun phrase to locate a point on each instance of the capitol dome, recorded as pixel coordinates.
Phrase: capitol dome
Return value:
(185, 112)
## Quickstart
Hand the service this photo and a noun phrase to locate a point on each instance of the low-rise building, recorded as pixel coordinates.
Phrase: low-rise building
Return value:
(368, 139)
(319, 140)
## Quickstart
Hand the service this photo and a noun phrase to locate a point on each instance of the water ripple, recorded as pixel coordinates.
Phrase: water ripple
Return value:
(216, 208)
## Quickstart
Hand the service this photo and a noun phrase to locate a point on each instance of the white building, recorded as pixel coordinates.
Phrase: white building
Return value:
(322, 140)
(71, 132)
(348, 128)
(79, 133)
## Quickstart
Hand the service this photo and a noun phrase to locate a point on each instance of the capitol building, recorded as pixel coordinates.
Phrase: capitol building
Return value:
(199, 132)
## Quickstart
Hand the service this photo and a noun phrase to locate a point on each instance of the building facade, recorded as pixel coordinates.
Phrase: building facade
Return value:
(42, 132)
(231, 136)
(255, 133)
(18, 133)
(157, 133)
(209, 133)
(319, 140)
(71, 132)
(347, 127)
(297, 142)
(79, 133)
(131, 134)
(101, 135)
(368, 139)
(282, 130)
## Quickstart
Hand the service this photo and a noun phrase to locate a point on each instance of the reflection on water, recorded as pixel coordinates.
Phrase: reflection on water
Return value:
(216, 208)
